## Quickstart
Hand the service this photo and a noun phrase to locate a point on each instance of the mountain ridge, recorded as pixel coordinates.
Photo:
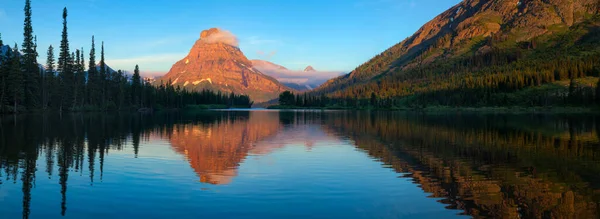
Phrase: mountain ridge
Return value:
(470, 28)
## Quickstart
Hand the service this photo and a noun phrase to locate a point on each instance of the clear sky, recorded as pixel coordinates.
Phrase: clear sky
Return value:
(330, 35)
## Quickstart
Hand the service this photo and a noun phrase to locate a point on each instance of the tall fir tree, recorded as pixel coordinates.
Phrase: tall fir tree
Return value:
(136, 86)
(64, 69)
(76, 63)
(103, 76)
(15, 79)
(80, 78)
(49, 78)
(30, 67)
(92, 85)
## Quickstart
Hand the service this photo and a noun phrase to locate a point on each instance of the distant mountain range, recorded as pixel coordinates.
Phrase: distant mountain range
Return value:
(304, 80)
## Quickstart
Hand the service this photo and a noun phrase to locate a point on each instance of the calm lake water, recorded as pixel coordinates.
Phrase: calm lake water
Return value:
(271, 164)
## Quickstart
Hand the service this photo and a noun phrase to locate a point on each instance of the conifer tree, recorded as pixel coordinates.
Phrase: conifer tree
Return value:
(15, 79)
(48, 78)
(136, 83)
(77, 92)
(81, 78)
(103, 76)
(64, 68)
(30, 68)
(92, 76)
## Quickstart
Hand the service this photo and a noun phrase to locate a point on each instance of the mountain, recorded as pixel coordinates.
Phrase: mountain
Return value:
(215, 62)
(482, 45)
(305, 80)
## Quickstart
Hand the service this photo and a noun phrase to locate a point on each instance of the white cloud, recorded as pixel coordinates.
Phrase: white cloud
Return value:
(220, 36)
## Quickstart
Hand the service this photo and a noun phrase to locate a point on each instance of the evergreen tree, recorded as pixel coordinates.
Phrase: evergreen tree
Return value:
(287, 99)
(30, 67)
(64, 68)
(15, 79)
(121, 82)
(103, 76)
(136, 85)
(81, 78)
(48, 78)
(78, 77)
(92, 84)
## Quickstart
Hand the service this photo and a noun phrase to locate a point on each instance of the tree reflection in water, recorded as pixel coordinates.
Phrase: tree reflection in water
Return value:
(532, 166)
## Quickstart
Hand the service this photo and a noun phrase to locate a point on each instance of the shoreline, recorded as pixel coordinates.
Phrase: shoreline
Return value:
(445, 109)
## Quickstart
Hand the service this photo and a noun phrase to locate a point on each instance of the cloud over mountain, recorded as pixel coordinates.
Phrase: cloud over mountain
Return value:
(217, 35)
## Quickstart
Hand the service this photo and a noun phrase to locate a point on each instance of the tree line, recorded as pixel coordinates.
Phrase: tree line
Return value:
(70, 84)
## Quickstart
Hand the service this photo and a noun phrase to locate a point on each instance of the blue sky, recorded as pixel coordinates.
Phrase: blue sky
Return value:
(330, 35)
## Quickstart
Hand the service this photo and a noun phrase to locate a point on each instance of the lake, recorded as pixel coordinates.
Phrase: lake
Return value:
(299, 164)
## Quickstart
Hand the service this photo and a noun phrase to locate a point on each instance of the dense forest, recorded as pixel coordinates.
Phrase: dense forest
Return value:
(69, 84)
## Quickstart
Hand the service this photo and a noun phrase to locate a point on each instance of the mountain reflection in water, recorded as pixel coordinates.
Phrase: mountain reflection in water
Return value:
(500, 166)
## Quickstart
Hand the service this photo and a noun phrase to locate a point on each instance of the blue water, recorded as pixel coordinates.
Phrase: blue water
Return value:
(224, 164)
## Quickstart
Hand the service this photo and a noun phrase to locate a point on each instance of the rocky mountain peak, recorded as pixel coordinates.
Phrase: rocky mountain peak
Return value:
(309, 69)
(209, 32)
(216, 63)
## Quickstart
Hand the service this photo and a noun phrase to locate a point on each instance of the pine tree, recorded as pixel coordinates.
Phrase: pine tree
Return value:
(77, 76)
(81, 78)
(48, 78)
(136, 85)
(64, 68)
(92, 76)
(30, 67)
(15, 79)
(103, 76)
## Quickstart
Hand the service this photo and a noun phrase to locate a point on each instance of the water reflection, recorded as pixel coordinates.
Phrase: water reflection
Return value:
(532, 166)
(491, 166)
(216, 149)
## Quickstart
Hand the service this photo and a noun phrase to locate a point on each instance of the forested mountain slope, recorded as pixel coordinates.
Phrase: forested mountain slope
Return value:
(483, 52)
